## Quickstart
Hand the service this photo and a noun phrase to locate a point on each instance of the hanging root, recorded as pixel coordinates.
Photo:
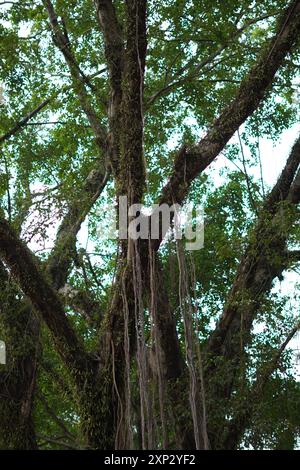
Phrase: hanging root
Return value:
(156, 341)
(127, 438)
(199, 358)
(142, 358)
(191, 344)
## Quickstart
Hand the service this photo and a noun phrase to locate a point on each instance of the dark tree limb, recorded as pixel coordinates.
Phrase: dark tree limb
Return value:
(61, 40)
(113, 41)
(25, 120)
(255, 259)
(27, 271)
(236, 428)
(293, 256)
(265, 258)
(58, 442)
(55, 376)
(18, 375)
(294, 193)
(131, 177)
(190, 161)
(114, 53)
(22, 123)
(59, 261)
(53, 415)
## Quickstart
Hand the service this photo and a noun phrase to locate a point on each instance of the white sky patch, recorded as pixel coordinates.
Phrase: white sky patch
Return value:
(273, 158)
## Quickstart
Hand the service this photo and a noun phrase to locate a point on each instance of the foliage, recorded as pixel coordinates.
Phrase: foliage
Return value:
(198, 54)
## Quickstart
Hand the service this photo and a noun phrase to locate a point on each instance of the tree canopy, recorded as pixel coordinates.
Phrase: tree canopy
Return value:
(142, 344)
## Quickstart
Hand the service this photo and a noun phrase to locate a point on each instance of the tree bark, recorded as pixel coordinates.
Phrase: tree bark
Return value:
(18, 376)
(265, 258)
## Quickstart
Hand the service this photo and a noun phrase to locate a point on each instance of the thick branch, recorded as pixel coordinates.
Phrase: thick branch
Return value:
(113, 42)
(53, 415)
(26, 270)
(18, 377)
(58, 442)
(22, 123)
(114, 52)
(293, 256)
(59, 261)
(239, 423)
(25, 120)
(265, 259)
(192, 160)
(61, 40)
(55, 376)
(294, 193)
(259, 266)
(131, 177)
(284, 188)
